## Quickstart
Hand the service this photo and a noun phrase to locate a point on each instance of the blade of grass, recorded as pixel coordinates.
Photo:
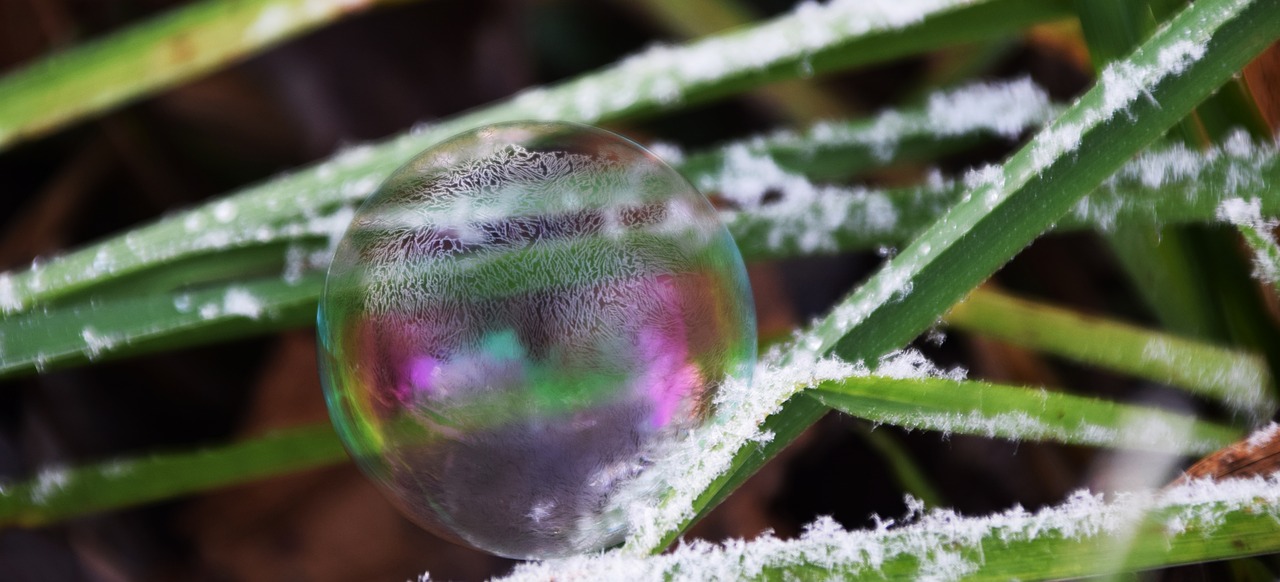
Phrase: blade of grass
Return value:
(796, 99)
(949, 121)
(148, 323)
(58, 494)
(1013, 412)
(1197, 522)
(1133, 103)
(1241, 381)
(1159, 187)
(1172, 185)
(1163, 186)
(818, 38)
(954, 407)
(151, 56)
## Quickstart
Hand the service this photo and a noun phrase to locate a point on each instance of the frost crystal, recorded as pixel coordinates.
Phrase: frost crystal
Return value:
(239, 301)
(1259, 232)
(95, 342)
(1264, 435)
(1121, 84)
(8, 296)
(50, 481)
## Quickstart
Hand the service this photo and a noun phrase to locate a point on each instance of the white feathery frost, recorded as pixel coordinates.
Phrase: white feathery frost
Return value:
(941, 544)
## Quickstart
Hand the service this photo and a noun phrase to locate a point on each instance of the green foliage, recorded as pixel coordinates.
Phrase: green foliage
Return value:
(250, 262)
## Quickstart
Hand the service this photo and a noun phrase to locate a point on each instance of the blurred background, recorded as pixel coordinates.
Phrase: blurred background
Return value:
(376, 74)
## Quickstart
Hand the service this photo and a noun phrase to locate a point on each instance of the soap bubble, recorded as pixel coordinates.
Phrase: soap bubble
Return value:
(518, 321)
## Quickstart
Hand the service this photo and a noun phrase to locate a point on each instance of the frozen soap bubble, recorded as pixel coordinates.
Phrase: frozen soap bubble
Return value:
(518, 322)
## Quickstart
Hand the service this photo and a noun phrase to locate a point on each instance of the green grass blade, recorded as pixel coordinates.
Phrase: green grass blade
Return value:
(1241, 381)
(149, 57)
(798, 99)
(1133, 103)
(817, 40)
(147, 323)
(57, 494)
(1172, 185)
(1012, 412)
(1196, 522)
(953, 407)
(1160, 264)
(949, 121)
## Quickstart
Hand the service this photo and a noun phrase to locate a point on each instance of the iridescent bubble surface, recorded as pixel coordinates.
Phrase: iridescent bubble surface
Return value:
(518, 321)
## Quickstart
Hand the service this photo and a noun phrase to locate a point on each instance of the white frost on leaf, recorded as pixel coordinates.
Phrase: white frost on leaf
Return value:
(941, 544)
(663, 75)
(1005, 109)
(1242, 384)
(686, 470)
(49, 481)
(668, 152)
(805, 216)
(95, 342)
(8, 295)
(1238, 167)
(279, 19)
(1264, 435)
(1258, 232)
(1142, 429)
(272, 22)
(239, 301)
(1121, 84)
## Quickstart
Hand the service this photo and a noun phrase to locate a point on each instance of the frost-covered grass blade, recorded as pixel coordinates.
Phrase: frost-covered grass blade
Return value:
(949, 121)
(1193, 522)
(151, 322)
(60, 493)
(1240, 380)
(1012, 412)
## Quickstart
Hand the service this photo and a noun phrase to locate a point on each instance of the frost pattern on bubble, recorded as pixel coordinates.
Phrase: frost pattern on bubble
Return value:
(518, 321)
